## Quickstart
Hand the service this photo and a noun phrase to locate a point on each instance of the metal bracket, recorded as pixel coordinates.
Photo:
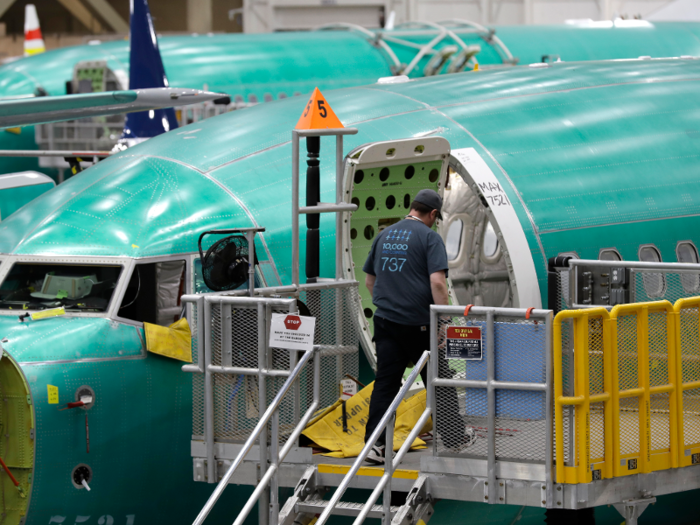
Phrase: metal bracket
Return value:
(304, 489)
(419, 505)
(631, 509)
(199, 469)
(222, 465)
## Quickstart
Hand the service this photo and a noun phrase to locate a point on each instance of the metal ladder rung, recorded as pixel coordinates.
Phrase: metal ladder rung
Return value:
(343, 508)
(328, 207)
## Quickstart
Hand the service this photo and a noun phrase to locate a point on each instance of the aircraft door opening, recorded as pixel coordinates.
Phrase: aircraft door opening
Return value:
(488, 254)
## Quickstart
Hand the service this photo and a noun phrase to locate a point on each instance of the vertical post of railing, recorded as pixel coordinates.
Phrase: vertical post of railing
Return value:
(558, 356)
(431, 401)
(582, 390)
(388, 469)
(608, 385)
(295, 208)
(673, 347)
(339, 170)
(208, 398)
(274, 510)
(492, 496)
(643, 378)
(250, 237)
(549, 452)
(264, 502)
(339, 165)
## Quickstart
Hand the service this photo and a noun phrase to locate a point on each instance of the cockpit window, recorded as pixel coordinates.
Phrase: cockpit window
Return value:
(78, 288)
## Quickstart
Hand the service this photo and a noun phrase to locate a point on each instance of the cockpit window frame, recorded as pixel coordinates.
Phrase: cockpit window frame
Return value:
(9, 261)
(128, 265)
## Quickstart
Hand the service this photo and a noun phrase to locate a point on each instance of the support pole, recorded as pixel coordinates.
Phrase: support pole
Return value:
(313, 197)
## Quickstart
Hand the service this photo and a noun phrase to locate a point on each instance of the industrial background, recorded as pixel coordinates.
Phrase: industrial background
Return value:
(73, 22)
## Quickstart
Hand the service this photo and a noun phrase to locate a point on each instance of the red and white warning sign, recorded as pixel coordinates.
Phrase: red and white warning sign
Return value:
(293, 332)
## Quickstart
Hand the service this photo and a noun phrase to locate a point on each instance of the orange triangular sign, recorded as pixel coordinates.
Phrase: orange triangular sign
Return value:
(318, 114)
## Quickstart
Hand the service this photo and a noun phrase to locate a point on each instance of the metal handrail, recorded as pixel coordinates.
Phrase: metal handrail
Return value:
(389, 416)
(262, 424)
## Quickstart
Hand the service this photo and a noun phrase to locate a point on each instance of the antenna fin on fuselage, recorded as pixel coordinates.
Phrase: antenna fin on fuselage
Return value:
(146, 71)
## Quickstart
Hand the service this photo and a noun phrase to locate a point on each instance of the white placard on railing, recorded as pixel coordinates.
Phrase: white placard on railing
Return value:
(293, 332)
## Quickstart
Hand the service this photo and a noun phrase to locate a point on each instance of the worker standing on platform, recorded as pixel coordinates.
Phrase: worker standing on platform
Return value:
(406, 272)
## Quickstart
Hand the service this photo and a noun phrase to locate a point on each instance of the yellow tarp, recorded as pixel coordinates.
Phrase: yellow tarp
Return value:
(326, 429)
(171, 341)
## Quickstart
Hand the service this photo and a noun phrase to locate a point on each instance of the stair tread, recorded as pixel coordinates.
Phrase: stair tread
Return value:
(320, 502)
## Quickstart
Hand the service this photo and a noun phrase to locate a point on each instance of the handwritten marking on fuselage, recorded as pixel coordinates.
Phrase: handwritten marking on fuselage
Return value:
(102, 520)
(493, 192)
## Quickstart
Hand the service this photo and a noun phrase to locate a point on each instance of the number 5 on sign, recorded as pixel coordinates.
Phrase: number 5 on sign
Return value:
(318, 114)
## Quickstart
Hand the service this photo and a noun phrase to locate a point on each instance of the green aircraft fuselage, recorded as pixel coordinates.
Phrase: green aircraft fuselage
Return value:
(591, 156)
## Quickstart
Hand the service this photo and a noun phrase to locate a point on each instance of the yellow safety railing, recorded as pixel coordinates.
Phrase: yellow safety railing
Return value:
(590, 440)
(688, 372)
(644, 388)
(635, 406)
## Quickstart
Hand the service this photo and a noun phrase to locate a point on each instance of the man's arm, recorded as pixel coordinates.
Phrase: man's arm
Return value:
(369, 283)
(438, 285)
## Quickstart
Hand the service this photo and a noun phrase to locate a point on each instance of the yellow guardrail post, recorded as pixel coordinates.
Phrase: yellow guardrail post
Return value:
(638, 342)
(688, 378)
(581, 472)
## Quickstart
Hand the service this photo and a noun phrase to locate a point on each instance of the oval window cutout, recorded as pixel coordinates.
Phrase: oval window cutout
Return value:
(453, 241)
(686, 252)
(609, 254)
(490, 241)
(654, 283)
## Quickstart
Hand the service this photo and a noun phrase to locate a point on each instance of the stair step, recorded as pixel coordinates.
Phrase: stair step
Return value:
(343, 508)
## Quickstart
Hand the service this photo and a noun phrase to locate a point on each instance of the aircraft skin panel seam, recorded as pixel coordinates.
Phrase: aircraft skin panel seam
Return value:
(84, 360)
(607, 224)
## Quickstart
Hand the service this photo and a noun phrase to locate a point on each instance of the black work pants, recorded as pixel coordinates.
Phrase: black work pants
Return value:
(397, 346)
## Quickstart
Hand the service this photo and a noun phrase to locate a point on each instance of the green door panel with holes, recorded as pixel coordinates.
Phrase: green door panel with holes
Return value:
(383, 197)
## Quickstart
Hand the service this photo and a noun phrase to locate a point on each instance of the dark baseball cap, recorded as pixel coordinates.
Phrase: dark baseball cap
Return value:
(431, 199)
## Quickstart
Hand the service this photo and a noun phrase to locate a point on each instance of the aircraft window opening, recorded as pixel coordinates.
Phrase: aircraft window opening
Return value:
(267, 97)
(490, 244)
(359, 176)
(153, 293)
(406, 201)
(252, 99)
(453, 240)
(238, 99)
(369, 203)
(353, 234)
(654, 283)
(77, 288)
(609, 254)
(369, 232)
(281, 96)
(390, 202)
(686, 252)
(434, 175)
(409, 172)
(384, 174)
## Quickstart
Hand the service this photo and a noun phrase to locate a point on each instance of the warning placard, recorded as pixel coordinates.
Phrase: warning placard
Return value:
(464, 342)
(293, 332)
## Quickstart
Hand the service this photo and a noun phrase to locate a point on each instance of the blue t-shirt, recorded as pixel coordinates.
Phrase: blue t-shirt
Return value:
(402, 258)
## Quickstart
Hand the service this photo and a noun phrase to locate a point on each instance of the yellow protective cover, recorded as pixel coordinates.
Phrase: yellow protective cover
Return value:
(326, 429)
(173, 341)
